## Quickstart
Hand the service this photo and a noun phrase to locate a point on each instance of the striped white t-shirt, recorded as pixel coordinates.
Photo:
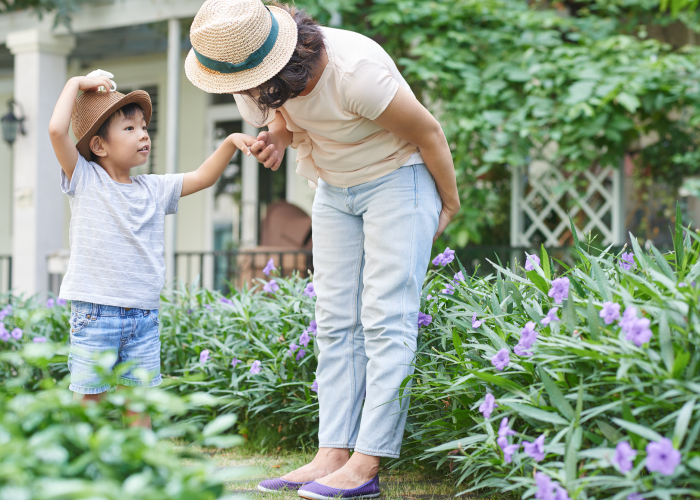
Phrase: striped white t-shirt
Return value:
(117, 236)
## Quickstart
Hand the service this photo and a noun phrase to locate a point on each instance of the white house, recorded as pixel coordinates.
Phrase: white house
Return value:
(143, 43)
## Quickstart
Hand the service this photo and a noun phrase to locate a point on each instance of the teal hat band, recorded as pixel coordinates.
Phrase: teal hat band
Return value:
(253, 59)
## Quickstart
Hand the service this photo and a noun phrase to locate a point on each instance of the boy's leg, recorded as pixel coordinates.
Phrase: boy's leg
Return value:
(141, 348)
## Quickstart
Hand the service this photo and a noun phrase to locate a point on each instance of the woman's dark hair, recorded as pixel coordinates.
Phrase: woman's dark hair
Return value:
(302, 67)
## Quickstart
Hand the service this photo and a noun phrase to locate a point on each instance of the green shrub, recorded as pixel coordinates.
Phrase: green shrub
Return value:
(583, 386)
(54, 447)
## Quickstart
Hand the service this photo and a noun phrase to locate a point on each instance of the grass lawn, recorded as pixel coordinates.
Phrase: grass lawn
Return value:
(395, 484)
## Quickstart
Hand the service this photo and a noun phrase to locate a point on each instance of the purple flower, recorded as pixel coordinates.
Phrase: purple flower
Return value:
(292, 348)
(627, 261)
(444, 258)
(459, 277)
(488, 405)
(39, 340)
(508, 450)
(639, 331)
(309, 290)
(662, 457)
(610, 312)
(301, 354)
(528, 336)
(271, 287)
(305, 338)
(635, 496)
(551, 316)
(503, 430)
(204, 356)
(449, 289)
(50, 303)
(501, 359)
(624, 456)
(628, 318)
(560, 493)
(208, 306)
(5, 311)
(255, 367)
(535, 449)
(681, 284)
(475, 322)
(61, 302)
(235, 361)
(4, 334)
(531, 261)
(312, 327)
(560, 289)
(544, 487)
(424, 319)
(224, 300)
(269, 267)
(314, 386)
(16, 334)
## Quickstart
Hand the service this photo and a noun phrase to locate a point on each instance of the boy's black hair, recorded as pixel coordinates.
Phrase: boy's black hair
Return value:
(129, 111)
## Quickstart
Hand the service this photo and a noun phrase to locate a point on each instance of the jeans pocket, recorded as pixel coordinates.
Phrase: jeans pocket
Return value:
(154, 315)
(77, 322)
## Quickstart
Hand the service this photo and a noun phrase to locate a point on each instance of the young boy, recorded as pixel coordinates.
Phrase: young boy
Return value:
(116, 269)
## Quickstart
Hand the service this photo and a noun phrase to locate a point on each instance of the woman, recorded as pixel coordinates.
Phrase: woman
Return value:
(386, 191)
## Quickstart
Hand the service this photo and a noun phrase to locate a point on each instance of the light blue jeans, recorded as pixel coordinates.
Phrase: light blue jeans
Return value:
(371, 252)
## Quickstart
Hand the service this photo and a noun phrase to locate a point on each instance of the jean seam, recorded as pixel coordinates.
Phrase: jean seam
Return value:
(380, 453)
(351, 337)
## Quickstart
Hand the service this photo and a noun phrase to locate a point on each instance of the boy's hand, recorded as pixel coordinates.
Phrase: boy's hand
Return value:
(269, 150)
(92, 84)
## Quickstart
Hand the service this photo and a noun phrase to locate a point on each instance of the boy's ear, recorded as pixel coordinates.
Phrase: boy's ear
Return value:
(97, 146)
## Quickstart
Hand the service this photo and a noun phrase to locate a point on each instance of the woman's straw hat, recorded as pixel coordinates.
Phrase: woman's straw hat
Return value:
(93, 108)
(238, 44)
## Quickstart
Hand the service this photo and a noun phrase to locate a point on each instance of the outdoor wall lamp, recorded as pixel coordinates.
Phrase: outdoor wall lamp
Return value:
(11, 123)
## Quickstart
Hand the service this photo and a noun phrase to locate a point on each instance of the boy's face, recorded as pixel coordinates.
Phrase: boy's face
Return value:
(128, 144)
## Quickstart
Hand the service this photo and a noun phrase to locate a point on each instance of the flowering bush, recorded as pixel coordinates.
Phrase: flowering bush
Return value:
(581, 385)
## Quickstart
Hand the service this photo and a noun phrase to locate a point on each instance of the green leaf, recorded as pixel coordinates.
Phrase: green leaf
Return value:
(574, 233)
(460, 443)
(601, 280)
(545, 263)
(457, 341)
(570, 316)
(555, 395)
(537, 414)
(608, 431)
(681, 363)
(538, 281)
(678, 237)
(573, 443)
(222, 442)
(219, 425)
(505, 383)
(593, 315)
(682, 423)
(638, 430)
(666, 343)
(629, 102)
(661, 262)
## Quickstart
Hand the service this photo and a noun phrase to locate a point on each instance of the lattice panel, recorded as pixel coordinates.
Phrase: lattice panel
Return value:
(544, 196)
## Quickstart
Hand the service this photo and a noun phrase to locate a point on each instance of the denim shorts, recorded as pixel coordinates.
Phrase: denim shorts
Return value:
(130, 334)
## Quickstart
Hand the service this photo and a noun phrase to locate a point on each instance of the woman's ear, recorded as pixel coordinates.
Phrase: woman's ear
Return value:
(97, 146)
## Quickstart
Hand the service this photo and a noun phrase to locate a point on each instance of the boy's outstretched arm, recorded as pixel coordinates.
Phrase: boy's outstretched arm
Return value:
(208, 173)
(59, 125)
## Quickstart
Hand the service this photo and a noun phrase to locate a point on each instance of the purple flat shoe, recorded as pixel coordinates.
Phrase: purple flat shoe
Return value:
(317, 491)
(279, 484)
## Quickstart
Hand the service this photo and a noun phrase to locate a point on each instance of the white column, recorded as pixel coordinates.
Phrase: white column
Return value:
(171, 131)
(249, 195)
(39, 77)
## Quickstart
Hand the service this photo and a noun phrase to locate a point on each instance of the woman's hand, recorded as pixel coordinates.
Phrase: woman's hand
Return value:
(446, 215)
(242, 142)
(269, 150)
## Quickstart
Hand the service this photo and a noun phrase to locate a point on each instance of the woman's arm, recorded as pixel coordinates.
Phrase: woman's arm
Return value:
(271, 145)
(408, 119)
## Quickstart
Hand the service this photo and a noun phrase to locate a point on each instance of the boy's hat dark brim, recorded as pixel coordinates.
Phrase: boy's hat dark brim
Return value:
(92, 109)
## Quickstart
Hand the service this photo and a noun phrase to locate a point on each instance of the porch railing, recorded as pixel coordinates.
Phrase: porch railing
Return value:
(5, 273)
(220, 270)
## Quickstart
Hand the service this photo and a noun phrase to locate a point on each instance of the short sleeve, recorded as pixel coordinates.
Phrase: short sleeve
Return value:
(171, 192)
(166, 188)
(368, 89)
(251, 113)
(82, 175)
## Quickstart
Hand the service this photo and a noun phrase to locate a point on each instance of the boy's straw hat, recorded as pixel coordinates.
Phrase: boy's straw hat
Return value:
(93, 108)
(238, 44)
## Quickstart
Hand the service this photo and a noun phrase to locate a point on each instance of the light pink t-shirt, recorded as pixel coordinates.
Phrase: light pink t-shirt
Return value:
(332, 127)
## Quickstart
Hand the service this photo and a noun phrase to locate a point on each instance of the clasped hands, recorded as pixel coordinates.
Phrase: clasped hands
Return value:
(266, 148)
